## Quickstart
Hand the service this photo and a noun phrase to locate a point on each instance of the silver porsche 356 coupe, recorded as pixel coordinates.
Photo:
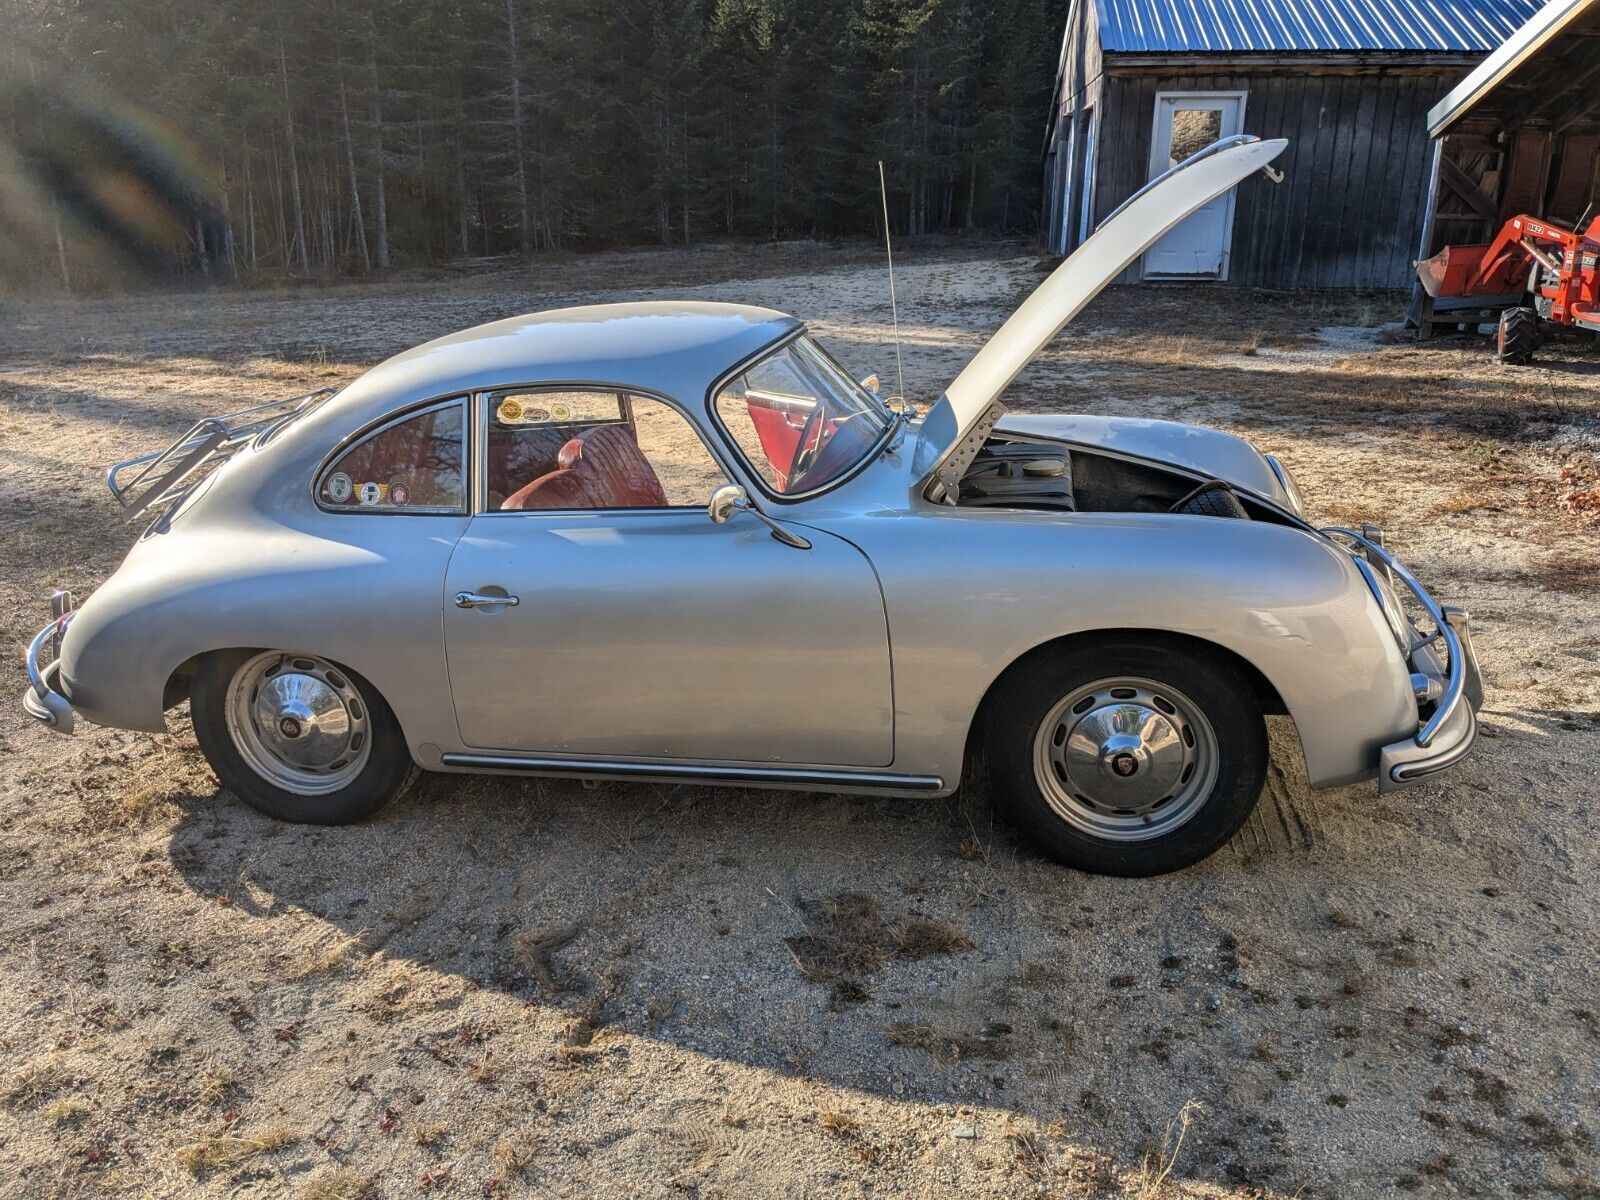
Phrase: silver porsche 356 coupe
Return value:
(679, 542)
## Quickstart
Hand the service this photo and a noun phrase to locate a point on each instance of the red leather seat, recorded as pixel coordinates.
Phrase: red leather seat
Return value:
(612, 453)
(601, 468)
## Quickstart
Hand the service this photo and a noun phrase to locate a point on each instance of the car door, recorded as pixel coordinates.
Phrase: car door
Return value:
(648, 631)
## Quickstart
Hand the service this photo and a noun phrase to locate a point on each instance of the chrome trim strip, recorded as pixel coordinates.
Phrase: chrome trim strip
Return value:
(604, 769)
(1286, 481)
(1410, 772)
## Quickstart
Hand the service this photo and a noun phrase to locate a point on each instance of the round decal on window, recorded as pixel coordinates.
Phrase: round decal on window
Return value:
(399, 493)
(370, 493)
(561, 412)
(339, 487)
(510, 410)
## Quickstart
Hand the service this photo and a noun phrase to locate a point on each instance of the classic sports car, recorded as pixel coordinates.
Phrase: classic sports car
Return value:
(495, 552)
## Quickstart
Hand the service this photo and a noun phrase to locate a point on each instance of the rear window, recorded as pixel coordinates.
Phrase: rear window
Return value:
(416, 463)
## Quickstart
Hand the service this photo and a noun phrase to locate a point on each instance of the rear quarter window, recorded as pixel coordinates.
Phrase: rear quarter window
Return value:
(416, 463)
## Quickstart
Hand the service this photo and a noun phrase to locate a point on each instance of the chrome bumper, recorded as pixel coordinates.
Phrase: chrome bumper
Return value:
(43, 700)
(1454, 687)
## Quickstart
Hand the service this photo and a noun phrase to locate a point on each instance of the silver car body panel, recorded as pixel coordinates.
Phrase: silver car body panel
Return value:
(668, 636)
(693, 649)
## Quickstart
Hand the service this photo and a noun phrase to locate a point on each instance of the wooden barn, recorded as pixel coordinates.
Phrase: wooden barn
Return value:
(1143, 83)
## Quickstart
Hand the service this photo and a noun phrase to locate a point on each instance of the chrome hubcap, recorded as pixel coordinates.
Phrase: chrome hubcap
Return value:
(1125, 759)
(299, 722)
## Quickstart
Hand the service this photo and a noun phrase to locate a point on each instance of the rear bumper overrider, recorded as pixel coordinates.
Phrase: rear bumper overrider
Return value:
(44, 700)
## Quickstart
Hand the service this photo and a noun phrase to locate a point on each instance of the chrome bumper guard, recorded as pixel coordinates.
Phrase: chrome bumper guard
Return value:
(1454, 687)
(43, 700)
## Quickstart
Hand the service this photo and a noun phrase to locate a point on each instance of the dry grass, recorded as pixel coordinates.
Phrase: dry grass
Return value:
(341, 1183)
(514, 1153)
(324, 959)
(429, 1133)
(851, 937)
(951, 1046)
(219, 1153)
(1465, 501)
(838, 1123)
(1156, 1172)
(215, 1085)
(36, 1081)
(66, 1112)
(1575, 576)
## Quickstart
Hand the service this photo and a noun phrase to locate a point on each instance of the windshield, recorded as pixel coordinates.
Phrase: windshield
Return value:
(799, 420)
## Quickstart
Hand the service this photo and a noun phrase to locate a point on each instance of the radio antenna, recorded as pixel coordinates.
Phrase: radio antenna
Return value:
(894, 306)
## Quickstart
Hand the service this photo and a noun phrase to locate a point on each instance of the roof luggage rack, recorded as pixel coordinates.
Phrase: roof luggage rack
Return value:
(205, 444)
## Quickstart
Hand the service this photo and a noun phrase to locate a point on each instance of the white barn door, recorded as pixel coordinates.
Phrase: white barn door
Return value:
(1187, 122)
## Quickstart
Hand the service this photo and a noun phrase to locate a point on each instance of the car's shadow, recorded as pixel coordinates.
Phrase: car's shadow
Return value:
(910, 949)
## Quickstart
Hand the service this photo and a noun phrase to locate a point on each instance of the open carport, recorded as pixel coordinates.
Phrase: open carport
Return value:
(1520, 134)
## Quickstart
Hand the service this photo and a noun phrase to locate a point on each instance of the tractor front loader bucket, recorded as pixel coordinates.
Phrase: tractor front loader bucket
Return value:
(1448, 275)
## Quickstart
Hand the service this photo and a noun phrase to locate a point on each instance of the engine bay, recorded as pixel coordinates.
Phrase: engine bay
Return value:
(1012, 472)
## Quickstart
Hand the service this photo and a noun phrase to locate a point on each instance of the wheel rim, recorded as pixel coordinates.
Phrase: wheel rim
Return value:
(299, 722)
(1125, 759)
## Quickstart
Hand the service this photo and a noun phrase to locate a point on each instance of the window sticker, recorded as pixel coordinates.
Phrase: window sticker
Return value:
(370, 494)
(399, 493)
(339, 487)
(510, 410)
(561, 412)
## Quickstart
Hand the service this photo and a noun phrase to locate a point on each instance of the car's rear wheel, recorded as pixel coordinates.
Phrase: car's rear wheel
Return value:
(1130, 757)
(298, 737)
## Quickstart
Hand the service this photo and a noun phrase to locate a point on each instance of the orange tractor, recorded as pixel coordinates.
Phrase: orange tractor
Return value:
(1541, 273)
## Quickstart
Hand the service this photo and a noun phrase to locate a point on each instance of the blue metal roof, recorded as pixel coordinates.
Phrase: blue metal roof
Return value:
(1178, 26)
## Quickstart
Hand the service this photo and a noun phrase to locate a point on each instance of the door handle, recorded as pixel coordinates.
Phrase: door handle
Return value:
(480, 600)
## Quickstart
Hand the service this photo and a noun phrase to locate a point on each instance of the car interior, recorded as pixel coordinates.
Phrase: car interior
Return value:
(552, 451)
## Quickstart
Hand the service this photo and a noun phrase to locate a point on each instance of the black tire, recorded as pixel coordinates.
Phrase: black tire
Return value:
(1517, 337)
(1203, 681)
(384, 775)
(1213, 499)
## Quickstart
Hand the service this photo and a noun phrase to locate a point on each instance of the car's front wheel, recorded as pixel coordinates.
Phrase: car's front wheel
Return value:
(1130, 757)
(298, 737)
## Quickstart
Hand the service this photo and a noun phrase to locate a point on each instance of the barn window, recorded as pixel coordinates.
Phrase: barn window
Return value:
(1193, 129)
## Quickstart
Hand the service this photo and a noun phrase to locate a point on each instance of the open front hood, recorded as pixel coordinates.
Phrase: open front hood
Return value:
(957, 425)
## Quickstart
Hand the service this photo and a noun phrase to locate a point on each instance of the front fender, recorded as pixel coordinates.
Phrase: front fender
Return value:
(970, 591)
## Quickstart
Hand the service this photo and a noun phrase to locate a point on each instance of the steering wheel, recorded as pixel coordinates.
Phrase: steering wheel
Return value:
(804, 454)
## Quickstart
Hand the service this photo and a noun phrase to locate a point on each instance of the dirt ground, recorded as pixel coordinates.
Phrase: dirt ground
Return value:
(536, 988)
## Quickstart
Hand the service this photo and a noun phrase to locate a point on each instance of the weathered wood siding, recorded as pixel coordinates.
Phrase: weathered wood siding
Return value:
(1078, 90)
(1349, 213)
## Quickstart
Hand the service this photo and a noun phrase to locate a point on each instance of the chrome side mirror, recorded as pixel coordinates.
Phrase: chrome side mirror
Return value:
(725, 501)
(730, 499)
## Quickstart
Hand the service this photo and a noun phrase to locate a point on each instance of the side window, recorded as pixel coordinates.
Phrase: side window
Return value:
(551, 451)
(413, 465)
